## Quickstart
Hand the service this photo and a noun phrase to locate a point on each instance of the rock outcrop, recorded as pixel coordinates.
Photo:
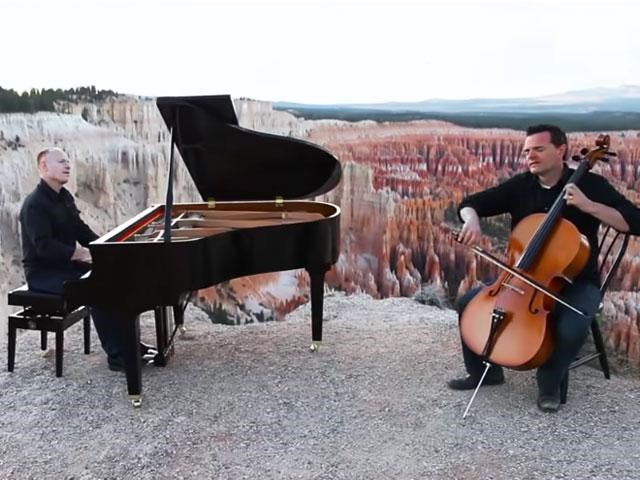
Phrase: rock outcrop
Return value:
(401, 184)
(120, 151)
(401, 187)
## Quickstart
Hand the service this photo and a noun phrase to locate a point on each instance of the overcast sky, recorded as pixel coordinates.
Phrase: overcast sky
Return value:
(321, 51)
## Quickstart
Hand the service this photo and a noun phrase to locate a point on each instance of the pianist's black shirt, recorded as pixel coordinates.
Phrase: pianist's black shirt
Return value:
(51, 225)
(523, 195)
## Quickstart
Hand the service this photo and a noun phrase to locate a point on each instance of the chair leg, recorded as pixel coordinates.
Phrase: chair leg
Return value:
(564, 386)
(43, 339)
(59, 351)
(11, 348)
(87, 334)
(597, 340)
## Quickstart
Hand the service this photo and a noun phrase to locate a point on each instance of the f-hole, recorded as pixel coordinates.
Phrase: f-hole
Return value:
(533, 310)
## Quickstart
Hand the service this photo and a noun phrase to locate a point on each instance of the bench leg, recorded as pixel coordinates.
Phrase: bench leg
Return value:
(59, 351)
(11, 348)
(43, 339)
(87, 334)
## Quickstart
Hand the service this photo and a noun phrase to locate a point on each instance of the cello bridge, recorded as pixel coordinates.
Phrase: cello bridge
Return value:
(515, 289)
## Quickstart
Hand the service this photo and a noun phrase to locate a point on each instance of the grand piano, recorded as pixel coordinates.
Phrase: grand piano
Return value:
(253, 219)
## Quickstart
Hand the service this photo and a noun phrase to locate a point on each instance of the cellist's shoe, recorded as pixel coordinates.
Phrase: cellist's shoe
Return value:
(469, 382)
(548, 403)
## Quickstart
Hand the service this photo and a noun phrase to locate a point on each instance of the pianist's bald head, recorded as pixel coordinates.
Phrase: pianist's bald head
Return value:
(43, 155)
(54, 167)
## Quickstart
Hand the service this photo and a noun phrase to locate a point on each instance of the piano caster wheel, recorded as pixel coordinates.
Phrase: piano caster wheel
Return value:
(315, 346)
(136, 400)
(182, 330)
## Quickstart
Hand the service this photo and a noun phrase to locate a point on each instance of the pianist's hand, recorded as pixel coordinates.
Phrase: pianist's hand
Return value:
(81, 254)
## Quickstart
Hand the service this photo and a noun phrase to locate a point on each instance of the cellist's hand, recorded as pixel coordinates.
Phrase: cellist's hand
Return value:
(575, 198)
(607, 215)
(470, 233)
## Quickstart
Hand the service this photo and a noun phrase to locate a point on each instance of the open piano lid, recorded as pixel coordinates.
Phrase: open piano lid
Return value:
(228, 162)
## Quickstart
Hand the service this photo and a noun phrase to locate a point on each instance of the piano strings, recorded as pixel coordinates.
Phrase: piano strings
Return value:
(189, 225)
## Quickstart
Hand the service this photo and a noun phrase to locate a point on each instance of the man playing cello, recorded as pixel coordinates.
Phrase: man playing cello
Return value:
(535, 191)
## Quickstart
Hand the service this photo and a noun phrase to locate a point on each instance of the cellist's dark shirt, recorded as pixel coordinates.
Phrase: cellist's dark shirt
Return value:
(51, 224)
(523, 195)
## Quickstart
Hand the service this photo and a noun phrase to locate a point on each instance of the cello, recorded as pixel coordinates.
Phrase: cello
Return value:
(508, 323)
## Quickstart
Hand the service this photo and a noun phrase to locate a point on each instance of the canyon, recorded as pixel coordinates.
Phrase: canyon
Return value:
(401, 184)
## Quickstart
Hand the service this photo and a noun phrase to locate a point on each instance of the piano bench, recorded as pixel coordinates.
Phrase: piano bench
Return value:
(47, 313)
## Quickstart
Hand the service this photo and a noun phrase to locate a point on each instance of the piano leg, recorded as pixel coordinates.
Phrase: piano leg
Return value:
(317, 297)
(178, 317)
(162, 336)
(166, 330)
(129, 331)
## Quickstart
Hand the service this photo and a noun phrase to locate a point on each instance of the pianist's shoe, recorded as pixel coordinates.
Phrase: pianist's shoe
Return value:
(115, 364)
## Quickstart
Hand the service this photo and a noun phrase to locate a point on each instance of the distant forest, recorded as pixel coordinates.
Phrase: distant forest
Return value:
(571, 122)
(44, 100)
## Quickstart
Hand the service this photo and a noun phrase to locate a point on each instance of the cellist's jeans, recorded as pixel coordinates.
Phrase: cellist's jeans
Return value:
(570, 331)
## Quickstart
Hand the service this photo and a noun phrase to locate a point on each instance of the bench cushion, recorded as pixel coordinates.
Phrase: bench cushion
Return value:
(40, 302)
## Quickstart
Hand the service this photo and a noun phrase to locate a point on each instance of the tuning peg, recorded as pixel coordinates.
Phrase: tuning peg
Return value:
(583, 152)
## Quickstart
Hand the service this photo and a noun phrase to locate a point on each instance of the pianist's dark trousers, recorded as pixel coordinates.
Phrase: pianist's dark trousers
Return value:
(51, 281)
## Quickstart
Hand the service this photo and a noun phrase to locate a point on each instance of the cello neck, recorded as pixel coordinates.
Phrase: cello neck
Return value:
(533, 248)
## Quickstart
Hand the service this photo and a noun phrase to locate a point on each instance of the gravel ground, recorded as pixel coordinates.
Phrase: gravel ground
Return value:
(252, 402)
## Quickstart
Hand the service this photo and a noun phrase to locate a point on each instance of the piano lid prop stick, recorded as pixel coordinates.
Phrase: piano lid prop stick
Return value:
(169, 200)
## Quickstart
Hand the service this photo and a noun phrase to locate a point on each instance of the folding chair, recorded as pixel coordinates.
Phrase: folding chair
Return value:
(612, 247)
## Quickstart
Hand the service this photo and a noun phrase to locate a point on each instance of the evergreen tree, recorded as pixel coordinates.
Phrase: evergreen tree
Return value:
(44, 99)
